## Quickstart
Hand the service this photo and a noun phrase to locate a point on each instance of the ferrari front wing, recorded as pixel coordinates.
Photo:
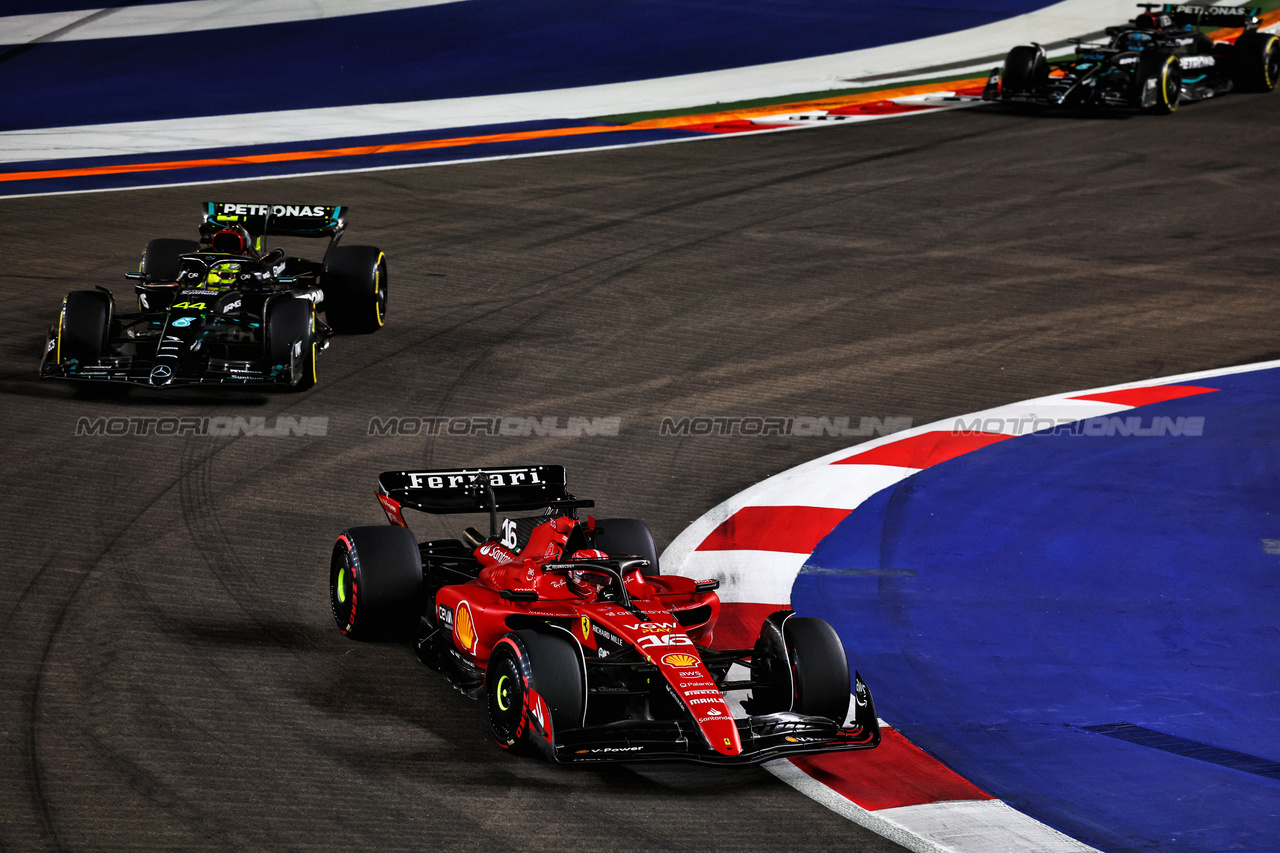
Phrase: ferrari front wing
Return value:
(764, 737)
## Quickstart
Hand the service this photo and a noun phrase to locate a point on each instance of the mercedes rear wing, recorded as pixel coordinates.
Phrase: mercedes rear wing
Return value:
(1218, 17)
(282, 220)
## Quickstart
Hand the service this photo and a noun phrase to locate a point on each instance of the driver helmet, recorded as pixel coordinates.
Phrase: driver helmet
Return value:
(577, 578)
(1134, 40)
(231, 240)
(222, 275)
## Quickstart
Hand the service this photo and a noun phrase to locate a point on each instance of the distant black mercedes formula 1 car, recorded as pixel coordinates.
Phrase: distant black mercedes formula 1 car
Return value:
(580, 649)
(1160, 60)
(222, 311)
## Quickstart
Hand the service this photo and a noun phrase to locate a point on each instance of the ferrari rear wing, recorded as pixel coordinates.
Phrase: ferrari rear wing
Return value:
(1219, 17)
(283, 220)
(479, 489)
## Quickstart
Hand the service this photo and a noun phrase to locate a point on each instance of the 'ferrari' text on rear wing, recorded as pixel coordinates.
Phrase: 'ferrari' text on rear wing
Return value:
(478, 490)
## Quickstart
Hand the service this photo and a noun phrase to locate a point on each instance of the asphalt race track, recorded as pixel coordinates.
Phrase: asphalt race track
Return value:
(173, 677)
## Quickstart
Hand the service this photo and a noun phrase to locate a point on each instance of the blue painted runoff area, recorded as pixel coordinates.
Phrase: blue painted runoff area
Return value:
(1086, 626)
(463, 49)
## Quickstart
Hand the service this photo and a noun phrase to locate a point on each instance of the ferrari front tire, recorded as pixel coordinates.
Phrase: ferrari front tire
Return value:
(506, 688)
(375, 576)
(798, 664)
(820, 666)
(526, 666)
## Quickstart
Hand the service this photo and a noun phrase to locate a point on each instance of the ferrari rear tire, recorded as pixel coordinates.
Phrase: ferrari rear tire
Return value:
(86, 318)
(162, 259)
(375, 577)
(1167, 74)
(1255, 62)
(1025, 70)
(355, 289)
(291, 337)
(524, 663)
(629, 536)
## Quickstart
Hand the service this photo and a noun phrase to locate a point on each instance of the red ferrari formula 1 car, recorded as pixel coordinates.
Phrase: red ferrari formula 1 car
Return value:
(580, 649)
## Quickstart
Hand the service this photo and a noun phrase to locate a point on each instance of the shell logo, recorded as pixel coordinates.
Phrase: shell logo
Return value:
(464, 628)
(679, 659)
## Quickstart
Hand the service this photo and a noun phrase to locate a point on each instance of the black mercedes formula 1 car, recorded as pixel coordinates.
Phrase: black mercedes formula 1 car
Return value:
(1163, 58)
(222, 310)
(579, 647)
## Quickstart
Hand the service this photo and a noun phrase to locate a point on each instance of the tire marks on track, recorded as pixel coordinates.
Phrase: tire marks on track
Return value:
(48, 602)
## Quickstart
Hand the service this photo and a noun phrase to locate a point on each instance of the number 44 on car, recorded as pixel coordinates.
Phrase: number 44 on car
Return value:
(224, 310)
